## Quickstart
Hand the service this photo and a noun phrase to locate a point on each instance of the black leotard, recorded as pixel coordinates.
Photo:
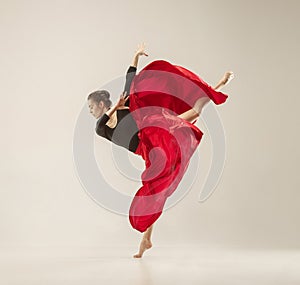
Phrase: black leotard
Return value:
(125, 133)
(129, 77)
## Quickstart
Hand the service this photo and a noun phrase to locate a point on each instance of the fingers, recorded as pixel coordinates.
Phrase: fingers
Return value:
(141, 49)
(141, 45)
(124, 96)
(144, 45)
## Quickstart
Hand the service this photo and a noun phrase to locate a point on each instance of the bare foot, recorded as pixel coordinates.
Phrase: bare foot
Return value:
(145, 244)
(228, 76)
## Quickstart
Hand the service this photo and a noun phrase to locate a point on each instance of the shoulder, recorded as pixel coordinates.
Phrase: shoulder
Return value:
(100, 125)
(100, 130)
(132, 69)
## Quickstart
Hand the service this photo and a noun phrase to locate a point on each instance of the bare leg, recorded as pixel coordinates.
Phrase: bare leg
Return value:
(195, 112)
(145, 242)
(189, 116)
(228, 76)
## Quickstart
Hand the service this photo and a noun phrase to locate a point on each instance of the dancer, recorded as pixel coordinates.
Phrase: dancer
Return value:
(165, 101)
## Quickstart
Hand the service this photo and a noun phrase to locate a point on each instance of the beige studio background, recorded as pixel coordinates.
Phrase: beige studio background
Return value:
(53, 53)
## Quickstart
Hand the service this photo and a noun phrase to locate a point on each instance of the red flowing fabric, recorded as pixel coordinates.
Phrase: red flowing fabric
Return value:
(158, 94)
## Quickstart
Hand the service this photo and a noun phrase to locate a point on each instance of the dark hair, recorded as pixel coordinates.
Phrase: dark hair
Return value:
(100, 95)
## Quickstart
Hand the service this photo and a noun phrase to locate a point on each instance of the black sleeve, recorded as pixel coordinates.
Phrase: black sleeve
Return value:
(131, 72)
(100, 126)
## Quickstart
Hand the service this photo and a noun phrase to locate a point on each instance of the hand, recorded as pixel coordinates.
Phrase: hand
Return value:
(141, 50)
(122, 99)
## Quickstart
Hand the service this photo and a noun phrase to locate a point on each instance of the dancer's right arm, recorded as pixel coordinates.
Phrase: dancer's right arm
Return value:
(100, 126)
(121, 102)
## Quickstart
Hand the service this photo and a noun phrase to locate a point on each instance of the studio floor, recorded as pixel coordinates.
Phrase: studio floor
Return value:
(160, 265)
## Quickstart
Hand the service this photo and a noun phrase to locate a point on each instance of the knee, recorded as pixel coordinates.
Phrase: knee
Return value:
(200, 104)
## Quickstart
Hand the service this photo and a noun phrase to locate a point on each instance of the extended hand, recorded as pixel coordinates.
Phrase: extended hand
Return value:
(122, 99)
(141, 50)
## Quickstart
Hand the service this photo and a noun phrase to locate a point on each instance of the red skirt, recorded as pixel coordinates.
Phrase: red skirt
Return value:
(158, 94)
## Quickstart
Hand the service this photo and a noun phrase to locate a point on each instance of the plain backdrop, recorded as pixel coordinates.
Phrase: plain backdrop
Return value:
(54, 53)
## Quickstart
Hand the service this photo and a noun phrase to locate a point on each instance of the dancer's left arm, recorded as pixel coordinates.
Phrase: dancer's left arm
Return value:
(131, 72)
(139, 52)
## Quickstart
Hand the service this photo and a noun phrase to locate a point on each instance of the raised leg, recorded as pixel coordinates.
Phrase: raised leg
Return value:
(228, 76)
(145, 242)
(195, 112)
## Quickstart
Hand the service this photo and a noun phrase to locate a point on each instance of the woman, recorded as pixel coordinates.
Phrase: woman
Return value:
(158, 124)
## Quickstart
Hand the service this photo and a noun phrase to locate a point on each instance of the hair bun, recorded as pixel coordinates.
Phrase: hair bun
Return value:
(105, 94)
(101, 95)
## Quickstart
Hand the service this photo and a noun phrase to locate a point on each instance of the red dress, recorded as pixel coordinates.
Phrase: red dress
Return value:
(158, 94)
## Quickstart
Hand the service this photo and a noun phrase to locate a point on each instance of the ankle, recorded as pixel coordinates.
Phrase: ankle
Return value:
(146, 239)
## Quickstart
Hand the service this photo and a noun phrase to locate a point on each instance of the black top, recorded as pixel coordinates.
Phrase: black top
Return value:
(129, 77)
(125, 133)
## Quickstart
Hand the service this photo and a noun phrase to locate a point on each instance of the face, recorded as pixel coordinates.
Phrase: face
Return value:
(97, 110)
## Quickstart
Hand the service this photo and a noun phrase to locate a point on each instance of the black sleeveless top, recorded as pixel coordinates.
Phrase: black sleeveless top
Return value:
(125, 133)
